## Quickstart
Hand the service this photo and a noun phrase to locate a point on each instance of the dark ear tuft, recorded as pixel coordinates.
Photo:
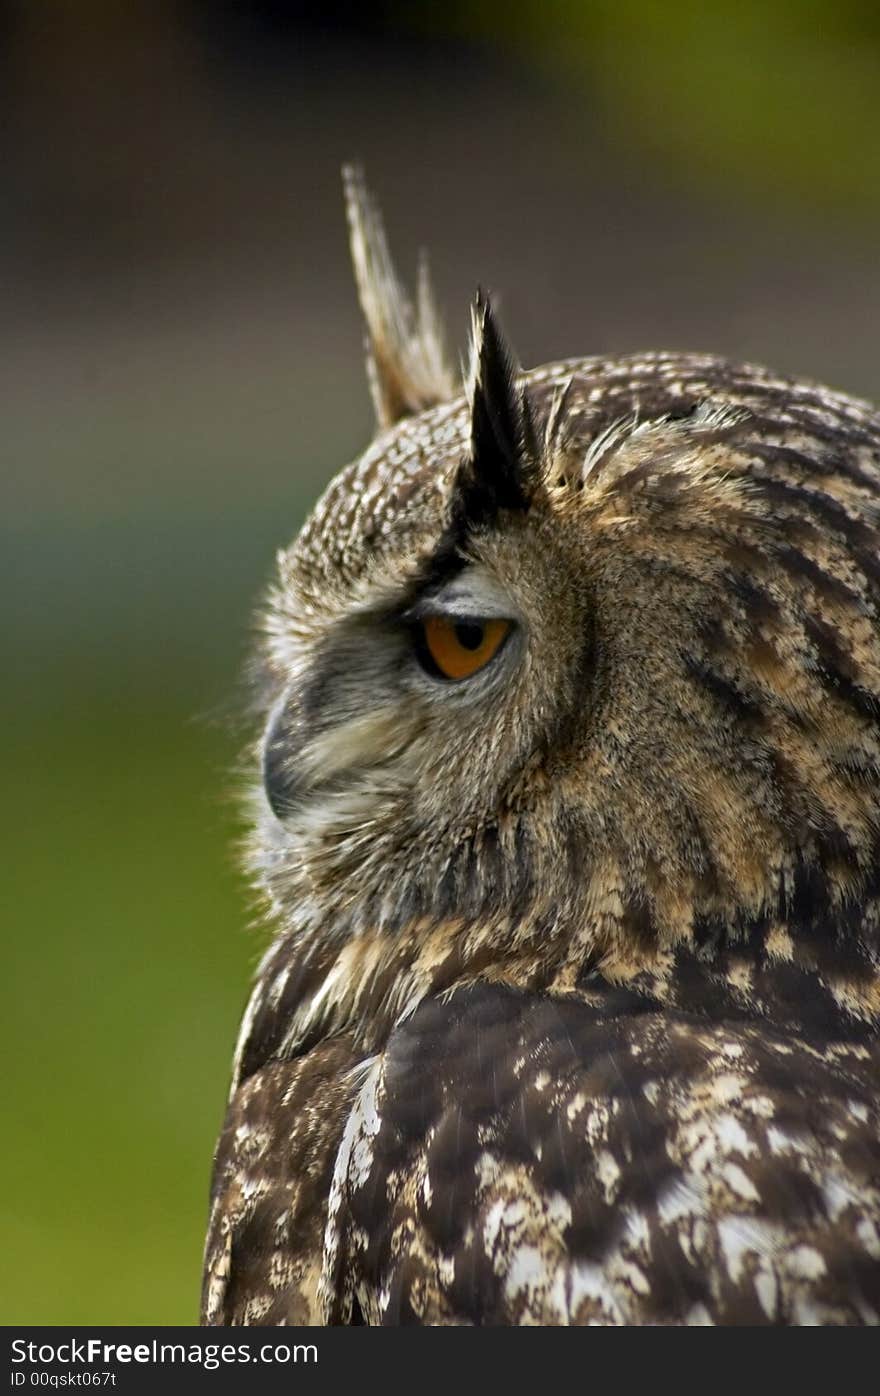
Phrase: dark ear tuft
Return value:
(502, 468)
(405, 355)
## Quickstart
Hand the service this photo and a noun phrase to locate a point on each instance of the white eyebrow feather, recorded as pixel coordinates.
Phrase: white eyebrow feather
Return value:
(473, 592)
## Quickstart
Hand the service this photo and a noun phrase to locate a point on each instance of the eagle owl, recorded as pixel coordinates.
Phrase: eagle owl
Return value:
(568, 821)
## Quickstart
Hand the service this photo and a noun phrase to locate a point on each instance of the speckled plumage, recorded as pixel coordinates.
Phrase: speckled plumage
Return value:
(572, 1011)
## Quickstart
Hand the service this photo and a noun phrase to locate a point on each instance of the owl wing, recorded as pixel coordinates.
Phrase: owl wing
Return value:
(272, 1173)
(519, 1159)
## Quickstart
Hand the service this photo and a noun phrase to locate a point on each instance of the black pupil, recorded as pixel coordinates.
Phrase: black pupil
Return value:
(469, 634)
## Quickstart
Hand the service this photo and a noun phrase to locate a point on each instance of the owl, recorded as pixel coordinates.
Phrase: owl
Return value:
(566, 814)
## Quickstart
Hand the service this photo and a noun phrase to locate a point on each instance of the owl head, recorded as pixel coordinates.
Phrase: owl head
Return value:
(571, 667)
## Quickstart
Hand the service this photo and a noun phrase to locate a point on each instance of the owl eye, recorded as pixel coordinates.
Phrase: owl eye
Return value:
(450, 647)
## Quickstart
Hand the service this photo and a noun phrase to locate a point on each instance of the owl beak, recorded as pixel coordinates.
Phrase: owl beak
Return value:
(280, 781)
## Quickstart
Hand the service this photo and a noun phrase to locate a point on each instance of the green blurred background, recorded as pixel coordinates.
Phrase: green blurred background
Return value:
(181, 372)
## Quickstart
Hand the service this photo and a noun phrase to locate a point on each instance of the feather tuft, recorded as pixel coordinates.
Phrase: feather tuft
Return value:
(406, 358)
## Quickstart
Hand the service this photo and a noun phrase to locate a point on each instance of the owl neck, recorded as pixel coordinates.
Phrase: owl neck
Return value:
(812, 970)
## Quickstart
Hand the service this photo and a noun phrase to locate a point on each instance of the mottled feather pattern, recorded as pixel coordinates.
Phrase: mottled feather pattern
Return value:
(274, 1166)
(565, 1162)
(571, 1015)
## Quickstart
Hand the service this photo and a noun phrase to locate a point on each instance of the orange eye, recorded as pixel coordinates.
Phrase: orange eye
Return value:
(456, 649)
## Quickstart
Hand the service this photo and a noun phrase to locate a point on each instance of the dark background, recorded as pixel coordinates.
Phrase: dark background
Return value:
(181, 372)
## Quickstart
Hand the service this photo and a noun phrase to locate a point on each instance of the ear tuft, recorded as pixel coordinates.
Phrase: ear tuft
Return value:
(502, 469)
(406, 359)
